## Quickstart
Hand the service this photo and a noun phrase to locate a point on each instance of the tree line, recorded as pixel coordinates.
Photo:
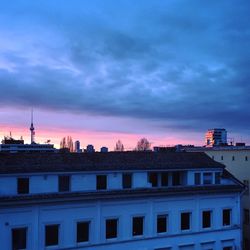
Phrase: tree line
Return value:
(142, 145)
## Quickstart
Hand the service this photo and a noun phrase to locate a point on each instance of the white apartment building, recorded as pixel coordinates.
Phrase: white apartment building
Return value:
(216, 137)
(118, 200)
(237, 161)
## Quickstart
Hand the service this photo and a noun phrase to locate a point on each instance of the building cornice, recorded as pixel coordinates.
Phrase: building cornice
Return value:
(48, 198)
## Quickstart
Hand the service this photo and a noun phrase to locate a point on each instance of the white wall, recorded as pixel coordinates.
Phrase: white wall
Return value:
(83, 182)
(8, 186)
(36, 217)
(44, 183)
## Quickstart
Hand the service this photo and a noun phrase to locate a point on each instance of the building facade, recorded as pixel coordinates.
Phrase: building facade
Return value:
(10, 145)
(118, 200)
(77, 147)
(237, 161)
(216, 137)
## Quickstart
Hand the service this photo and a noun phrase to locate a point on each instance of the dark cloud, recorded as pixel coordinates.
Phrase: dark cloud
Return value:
(183, 63)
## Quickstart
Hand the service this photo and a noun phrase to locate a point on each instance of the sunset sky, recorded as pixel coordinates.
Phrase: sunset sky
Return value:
(104, 70)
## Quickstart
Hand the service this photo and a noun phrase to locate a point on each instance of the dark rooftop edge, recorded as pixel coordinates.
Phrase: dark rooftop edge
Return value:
(11, 163)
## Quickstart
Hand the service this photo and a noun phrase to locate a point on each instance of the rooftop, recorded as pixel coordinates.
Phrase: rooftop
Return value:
(75, 162)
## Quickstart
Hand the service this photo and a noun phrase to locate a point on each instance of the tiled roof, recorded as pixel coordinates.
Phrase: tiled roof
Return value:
(71, 162)
(117, 194)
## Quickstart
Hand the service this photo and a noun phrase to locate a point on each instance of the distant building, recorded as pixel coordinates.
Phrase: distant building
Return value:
(176, 148)
(237, 161)
(10, 145)
(90, 149)
(104, 150)
(118, 200)
(216, 137)
(77, 147)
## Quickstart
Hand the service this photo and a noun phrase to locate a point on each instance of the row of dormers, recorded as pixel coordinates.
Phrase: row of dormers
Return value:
(65, 182)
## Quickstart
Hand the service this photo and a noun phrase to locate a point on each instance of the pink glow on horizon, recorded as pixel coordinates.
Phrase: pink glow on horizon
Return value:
(97, 138)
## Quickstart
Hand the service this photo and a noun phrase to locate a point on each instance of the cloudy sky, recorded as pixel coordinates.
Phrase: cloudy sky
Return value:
(104, 70)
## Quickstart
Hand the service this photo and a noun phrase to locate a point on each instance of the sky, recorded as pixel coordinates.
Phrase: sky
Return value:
(104, 70)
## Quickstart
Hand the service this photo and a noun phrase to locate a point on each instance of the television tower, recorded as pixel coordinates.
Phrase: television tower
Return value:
(32, 129)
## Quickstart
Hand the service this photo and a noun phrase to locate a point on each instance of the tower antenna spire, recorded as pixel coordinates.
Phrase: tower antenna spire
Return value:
(32, 129)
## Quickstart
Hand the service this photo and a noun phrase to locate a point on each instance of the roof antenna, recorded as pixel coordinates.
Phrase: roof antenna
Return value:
(32, 129)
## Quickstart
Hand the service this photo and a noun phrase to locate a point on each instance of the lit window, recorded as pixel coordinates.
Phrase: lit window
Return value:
(197, 178)
(207, 178)
(206, 219)
(51, 235)
(161, 223)
(63, 183)
(138, 226)
(226, 214)
(127, 180)
(19, 238)
(185, 221)
(111, 228)
(82, 231)
(101, 182)
(22, 185)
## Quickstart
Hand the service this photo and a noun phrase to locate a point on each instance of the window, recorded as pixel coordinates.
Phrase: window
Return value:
(51, 235)
(64, 183)
(246, 158)
(176, 178)
(82, 231)
(153, 179)
(163, 248)
(161, 223)
(127, 180)
(185, 221)
(101, 182)
(111, 228)
(187, 247)
(217, 178)
(19, 238)
(246, 216)
(138, 226)
(197, 178)
(246, 244)
(22, 185)
(246, 183)
(212, 157)
(164, 179)
(226, 217)
(227, 248)
(206, 219)
(233, 158)
(207, 178)
(221, 157)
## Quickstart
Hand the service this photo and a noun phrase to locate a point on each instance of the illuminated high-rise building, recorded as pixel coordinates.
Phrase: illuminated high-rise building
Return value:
(216, 137)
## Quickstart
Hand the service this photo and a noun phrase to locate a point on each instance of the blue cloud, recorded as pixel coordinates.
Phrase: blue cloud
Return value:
(185, 62)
